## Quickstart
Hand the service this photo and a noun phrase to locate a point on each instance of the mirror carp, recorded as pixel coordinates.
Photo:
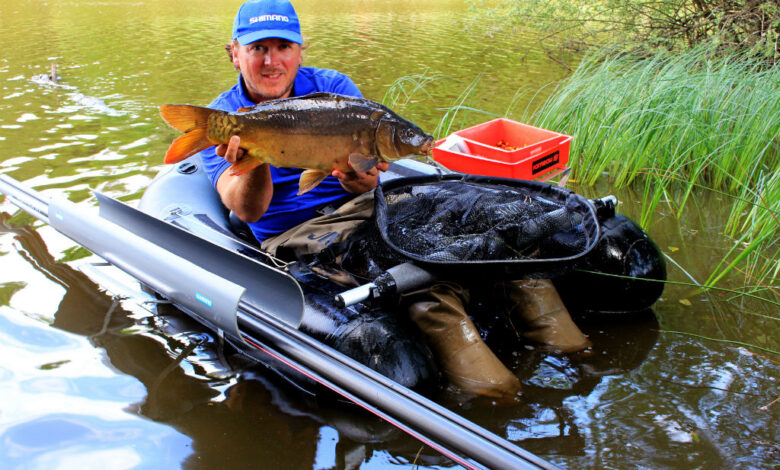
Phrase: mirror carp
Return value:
(319, 132)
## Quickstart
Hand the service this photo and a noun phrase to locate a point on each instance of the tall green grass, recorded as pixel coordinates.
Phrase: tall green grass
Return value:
(406, 90)
(671, 123)
(666, 125)
(685, 116)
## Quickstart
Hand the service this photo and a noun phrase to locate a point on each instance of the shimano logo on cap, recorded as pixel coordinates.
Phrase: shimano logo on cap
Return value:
(257, 19)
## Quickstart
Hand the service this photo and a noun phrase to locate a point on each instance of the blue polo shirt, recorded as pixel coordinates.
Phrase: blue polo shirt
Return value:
(287, 209)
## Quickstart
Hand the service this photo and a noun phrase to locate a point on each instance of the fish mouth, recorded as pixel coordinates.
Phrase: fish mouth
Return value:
(427, 146)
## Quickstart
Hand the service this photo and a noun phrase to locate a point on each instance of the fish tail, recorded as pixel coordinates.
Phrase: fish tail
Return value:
(193, 121)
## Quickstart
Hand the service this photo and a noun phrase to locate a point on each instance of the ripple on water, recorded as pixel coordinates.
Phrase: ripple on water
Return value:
(687, 404)
(120, 388)
(52, 441)
(39, 337)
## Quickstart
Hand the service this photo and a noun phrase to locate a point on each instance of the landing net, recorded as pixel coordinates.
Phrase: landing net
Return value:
(465, 220)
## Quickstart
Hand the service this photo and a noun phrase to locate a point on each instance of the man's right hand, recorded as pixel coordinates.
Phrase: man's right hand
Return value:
(231, 152)
(247, 194)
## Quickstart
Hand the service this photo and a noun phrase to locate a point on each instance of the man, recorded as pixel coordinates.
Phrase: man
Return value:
(267, 51)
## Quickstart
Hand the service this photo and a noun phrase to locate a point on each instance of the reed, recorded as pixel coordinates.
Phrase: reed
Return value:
(405, 88)
(667, 124)
(672, 123)
(684, 116)
(455, 115)
(753, 223)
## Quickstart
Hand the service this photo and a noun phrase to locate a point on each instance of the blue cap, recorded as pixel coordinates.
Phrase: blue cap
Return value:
(261, 19)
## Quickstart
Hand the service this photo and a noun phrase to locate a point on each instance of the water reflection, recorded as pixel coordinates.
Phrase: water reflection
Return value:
(234, 412)
(637, 397)
(546, 423)
(70, 441)
(65, 409)
(159, 392)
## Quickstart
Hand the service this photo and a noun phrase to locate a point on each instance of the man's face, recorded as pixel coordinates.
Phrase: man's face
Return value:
(268, 66)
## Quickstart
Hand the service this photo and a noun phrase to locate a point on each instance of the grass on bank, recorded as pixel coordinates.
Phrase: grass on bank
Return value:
(672, 123)
(668, 124)
(687, 116)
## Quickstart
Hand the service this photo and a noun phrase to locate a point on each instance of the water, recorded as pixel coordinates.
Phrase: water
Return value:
(89, 379)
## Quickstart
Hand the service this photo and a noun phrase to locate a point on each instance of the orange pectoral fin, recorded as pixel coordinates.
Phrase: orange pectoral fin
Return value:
(187, 145)
(310, 179)
(244, 165)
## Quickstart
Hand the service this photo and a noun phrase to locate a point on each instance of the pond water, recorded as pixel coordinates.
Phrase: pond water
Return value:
(90, 379)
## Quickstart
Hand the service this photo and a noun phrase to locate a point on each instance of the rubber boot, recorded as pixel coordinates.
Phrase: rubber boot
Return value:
(542, 315)
(465, 359)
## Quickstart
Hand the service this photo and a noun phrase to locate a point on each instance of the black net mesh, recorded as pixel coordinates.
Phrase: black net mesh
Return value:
(477, 220)
(453, 222)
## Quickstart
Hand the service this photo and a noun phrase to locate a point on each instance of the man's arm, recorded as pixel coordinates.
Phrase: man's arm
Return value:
(248, 194)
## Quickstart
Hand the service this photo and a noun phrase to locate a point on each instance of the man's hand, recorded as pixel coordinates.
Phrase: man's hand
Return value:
(247, 194)
(359, 182)
(231, 151)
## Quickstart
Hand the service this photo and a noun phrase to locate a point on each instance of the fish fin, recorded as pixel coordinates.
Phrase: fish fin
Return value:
(187, 145)
(245, 109)
(319, 94)
(244, 165)
(185, 117)
(193, 121)
(361, 162)
(309, 180)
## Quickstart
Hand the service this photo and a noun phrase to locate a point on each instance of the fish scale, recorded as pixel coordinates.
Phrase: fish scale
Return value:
(222, 126)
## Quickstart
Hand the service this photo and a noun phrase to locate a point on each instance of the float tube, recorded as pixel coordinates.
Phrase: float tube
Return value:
(226, 288)
(352, 322)
(184, 246)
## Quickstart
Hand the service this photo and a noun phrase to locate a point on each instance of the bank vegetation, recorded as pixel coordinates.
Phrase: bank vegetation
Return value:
(671, 124)
(751, 27)
(671, 97)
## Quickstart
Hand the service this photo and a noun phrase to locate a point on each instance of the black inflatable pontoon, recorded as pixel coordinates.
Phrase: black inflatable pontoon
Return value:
(183, 245)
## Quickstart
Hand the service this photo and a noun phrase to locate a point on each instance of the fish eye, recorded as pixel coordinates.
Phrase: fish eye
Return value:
(410, 133)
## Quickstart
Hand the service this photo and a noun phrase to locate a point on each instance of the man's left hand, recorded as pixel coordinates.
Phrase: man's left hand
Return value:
(359, 182)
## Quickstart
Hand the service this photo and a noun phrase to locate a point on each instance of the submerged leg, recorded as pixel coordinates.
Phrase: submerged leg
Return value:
(374, 338)
(542, 316)
(466, 360)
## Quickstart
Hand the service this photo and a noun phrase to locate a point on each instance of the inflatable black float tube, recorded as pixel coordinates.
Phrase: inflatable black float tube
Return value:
(381, 339)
